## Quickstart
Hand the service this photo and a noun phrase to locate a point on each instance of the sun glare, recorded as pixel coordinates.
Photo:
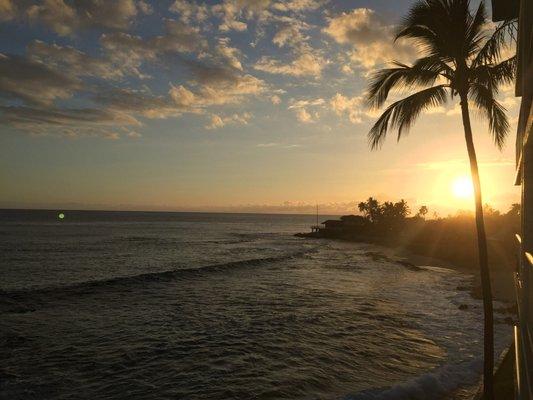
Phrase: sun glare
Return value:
(462, 187)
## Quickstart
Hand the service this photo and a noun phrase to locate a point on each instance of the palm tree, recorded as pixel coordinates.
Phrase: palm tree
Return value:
(459, 60)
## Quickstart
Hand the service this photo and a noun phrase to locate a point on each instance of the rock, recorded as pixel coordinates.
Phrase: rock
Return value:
(409, 265)
(463, 307)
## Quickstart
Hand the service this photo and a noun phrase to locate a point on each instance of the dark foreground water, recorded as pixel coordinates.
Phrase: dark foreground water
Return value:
(213, 306)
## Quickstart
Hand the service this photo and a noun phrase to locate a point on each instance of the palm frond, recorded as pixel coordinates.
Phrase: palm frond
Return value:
(491, 50)
(419, 25)
(474, 33)
(443, 27)
(423, 72)
(493, 76)
(484, 100)
(403, 113)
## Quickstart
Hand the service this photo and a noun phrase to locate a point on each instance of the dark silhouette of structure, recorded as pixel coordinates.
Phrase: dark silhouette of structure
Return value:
(522, 12)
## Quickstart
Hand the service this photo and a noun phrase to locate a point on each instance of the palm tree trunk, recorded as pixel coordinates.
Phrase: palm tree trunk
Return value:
(488, 333)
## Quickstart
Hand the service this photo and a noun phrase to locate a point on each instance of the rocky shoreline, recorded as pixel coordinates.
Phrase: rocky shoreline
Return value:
(507, 311)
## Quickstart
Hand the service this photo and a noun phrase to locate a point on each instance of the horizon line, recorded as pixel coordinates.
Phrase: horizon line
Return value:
(160, 211)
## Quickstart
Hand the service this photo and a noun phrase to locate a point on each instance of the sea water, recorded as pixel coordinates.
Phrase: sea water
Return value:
(223, 306)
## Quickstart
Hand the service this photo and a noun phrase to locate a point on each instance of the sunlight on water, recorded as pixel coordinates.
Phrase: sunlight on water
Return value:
(206, 306)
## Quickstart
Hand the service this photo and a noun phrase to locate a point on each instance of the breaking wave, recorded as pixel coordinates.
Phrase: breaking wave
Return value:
(25, 300)
(437, 384)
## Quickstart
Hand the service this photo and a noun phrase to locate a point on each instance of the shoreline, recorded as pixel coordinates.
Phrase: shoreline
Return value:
(501, 290)
(501, 278)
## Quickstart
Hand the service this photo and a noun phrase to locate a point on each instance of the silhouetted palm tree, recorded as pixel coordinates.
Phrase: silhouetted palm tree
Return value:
(459, 60)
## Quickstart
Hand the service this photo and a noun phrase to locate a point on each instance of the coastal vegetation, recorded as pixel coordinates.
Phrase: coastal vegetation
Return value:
(393, 223)
(452, 239)
(459, 59)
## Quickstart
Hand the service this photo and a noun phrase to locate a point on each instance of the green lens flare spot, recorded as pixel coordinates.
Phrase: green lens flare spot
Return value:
(61, 216)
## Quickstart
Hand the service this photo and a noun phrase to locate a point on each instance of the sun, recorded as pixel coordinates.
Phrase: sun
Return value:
(462, 187)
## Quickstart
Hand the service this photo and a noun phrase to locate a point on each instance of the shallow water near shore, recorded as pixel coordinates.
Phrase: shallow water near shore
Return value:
(218, 306)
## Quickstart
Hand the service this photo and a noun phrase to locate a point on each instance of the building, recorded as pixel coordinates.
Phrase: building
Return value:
(353, 221)
(333, 225)
(522, 10)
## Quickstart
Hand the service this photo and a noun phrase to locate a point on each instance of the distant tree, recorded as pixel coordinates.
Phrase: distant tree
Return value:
(490, 211)
(392, 216)
(363, 208)
(422, 211)
(459, 61)
(402, 209)
(514, 210)
(387, 213)
(370, 209)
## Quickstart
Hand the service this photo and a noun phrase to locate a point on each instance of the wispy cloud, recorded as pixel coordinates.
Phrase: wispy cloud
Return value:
(217, 121)
(66, 18)
(278, 145)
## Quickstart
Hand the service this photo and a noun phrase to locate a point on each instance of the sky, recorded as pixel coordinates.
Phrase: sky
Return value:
(232, 105)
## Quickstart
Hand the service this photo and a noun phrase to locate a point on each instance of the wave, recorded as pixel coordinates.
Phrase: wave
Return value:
(27, 300)
(437, 384)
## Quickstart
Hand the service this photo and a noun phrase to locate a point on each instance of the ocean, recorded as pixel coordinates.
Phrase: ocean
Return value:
(142, 305)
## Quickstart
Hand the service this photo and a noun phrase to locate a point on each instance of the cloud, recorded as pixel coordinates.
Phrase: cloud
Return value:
(232, 90)
(73, 61)
(187, 67)
(369, 36)
(16, 114)
(293, 207)
(65, 18)
(275, 99)
(217, 84)
(301, 58)
(300, 109)
(33, 82)
(306, 64)
(144, 7)
(65, 122)
(289, 32)
(302, 115)
(306, 103)
(39, 86)
(217, 121)
(234, 15)
(298, 5)
(177, 101)
(132, 51)
(116, 107)
(190, 11)
(353, 107)
(183, 97)
(278, 145)
(8, 10)
(229, 54)
(57, 15)
(230, 12)
(135, 102)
